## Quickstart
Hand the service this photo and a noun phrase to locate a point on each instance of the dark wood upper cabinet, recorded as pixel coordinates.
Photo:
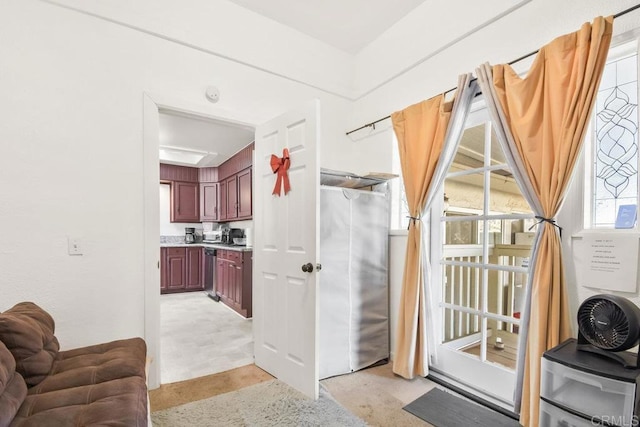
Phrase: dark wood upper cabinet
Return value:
(208, 175)
(209, 200)
(232, 197)
(214, 194)
(222, 196)
(244, 194)
(178, 173)
(185, 203)
(240, 161)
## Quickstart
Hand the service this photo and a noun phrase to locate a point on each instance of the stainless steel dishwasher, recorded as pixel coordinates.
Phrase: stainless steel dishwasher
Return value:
(210, 273)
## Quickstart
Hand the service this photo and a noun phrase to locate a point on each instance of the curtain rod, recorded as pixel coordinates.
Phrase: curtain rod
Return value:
(373, 123)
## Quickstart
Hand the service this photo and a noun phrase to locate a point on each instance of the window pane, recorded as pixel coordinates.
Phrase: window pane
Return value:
(497, 157)
(463, 327)
(462, 286)
(505, 195)
(616, 141)
(502, 344)
(465, 193)
(470, 154)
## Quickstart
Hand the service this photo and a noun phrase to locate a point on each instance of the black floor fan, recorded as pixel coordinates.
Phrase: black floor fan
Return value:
(608, 324)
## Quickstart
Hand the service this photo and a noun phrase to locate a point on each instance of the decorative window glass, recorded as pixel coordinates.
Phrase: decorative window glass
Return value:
(615, 137)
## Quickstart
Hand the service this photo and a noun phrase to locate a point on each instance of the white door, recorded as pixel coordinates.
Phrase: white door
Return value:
(480, 254)
(285, 309)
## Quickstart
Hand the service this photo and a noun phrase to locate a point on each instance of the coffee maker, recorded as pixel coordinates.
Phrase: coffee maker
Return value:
(189, 235)
(226, 236)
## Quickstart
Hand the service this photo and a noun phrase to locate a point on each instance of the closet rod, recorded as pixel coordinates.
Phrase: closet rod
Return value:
(373, 123)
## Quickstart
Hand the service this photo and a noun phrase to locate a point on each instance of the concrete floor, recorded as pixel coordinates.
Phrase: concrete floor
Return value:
(377, 395)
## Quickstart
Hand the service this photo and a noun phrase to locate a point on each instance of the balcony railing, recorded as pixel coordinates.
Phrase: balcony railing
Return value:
(464, 302)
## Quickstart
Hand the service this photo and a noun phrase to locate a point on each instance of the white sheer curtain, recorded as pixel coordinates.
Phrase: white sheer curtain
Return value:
(428, 135)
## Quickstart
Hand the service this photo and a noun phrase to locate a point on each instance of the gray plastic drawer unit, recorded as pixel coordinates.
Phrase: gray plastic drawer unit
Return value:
(581, 388)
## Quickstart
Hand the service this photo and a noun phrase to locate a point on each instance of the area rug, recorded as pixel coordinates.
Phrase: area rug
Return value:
(444, 409)
(270, 403)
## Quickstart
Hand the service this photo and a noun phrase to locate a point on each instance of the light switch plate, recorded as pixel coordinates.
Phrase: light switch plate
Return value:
(74, 246)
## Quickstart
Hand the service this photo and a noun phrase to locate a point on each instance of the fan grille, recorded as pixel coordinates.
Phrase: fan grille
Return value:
(603, 323)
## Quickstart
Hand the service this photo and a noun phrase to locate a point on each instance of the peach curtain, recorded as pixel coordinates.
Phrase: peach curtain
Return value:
(428, 134)
(544, 117)
(420, 130)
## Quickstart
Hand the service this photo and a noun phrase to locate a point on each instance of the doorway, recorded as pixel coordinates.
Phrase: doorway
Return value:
(154, 107)
(481, 243)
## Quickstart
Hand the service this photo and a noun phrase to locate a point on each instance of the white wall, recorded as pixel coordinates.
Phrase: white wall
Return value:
(233, 32)
(520, 32)
(397, 249)
(71, 156)
(411, 40)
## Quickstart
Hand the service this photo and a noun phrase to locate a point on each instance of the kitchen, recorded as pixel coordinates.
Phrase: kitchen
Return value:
(205, 246)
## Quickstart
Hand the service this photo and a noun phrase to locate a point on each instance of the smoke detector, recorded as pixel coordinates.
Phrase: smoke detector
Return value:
(212, 94)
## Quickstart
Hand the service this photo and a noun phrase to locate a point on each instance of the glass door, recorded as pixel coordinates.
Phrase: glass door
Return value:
(481, 242)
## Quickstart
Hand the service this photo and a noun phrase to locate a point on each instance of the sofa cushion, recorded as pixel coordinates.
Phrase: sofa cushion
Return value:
(28, 332)
(13, 389)
(95, 364)
(121, 402)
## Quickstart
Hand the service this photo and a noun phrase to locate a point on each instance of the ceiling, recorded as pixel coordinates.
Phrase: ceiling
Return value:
(194, 141)
(348, 25)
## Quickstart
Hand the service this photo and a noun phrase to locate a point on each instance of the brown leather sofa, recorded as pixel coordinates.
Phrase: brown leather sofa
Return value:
(103, 384)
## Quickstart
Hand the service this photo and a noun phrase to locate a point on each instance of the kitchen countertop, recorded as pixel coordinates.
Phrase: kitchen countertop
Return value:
(207, 245)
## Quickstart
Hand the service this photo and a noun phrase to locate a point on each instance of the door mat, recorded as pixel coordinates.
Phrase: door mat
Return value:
(444, 409)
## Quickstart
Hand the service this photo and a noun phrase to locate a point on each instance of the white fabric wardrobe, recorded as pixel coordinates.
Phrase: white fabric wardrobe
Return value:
(353, 293)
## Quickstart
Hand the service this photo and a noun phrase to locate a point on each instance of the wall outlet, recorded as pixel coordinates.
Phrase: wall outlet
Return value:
(74, 246)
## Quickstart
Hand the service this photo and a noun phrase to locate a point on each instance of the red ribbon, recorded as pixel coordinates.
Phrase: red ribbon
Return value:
(280, 165)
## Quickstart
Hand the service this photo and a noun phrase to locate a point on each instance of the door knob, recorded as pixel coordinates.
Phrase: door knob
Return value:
(307, 268)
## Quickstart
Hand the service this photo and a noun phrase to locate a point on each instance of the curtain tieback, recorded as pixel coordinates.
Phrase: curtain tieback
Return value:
(550, 221)
(412, 219)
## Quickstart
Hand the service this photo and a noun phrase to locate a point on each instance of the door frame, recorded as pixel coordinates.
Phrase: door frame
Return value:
(452, 365)
(153, 104)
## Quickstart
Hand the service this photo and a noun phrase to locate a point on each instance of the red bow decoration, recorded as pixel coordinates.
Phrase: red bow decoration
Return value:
(280, 165)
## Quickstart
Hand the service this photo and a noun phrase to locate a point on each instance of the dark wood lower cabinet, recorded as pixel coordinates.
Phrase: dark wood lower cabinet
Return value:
(195, 269)
(233, 280)
(163, 270)
(181, 269)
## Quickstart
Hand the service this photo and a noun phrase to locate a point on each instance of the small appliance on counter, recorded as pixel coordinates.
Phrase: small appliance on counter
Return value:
(226, 236)
(209, 235)
(213, 236)
(189, 235)
(236, 237)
